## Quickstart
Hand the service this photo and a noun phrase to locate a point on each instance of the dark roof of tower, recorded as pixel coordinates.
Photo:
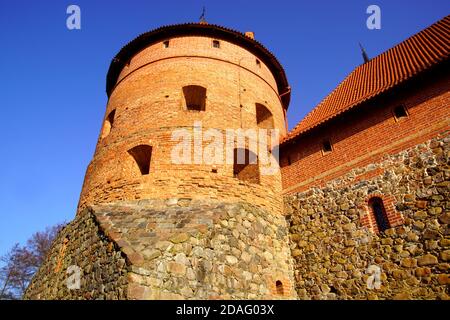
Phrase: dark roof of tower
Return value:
(391, 68)
(202, 29)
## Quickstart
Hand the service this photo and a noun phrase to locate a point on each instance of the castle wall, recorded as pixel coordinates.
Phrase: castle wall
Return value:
(150, 228)
(170, 249)
(149, 106)
(334, 239)
(366, 134)
(103, 267)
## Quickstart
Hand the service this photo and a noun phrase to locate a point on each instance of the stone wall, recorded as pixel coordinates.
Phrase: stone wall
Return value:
(81, 243)
(149, 106)
(333, 243)
(201, 249)
(113, 175)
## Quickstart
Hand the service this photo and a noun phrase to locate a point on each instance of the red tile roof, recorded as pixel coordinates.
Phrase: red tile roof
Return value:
(402, 62)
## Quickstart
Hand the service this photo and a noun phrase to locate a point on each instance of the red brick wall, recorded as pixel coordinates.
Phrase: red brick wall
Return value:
(362, 136)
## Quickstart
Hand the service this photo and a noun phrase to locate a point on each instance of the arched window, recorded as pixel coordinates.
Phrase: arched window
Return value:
(195, 97)
(245, 165)
(279, 287)
(377, 207)
(109, 121)
(264, 118)
(326, 147)
(142, 154)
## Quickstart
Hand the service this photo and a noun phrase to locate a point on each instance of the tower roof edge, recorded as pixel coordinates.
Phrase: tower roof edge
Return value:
(186, 29)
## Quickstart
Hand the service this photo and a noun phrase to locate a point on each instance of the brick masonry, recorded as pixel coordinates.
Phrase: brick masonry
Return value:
(192, 231)
(199, 232)
(170, 249)
(149, 105)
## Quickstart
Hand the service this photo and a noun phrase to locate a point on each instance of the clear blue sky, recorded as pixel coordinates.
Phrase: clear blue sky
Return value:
(53, 79)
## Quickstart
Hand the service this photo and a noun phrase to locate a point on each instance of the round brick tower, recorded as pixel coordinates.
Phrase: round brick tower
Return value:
(178, 77)
(204, 217)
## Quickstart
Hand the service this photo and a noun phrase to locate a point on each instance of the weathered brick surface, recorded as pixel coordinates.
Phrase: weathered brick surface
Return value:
(170, 249)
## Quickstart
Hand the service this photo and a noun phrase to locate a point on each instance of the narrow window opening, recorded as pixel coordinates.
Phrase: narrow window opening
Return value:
(142, 155)
(195, 97)
(109, 122)
(264, 118)
(279, 286)
(258, 63)
(400, 112)
(246, 166)
(216, 43)
(377, 207)
(326, 147)
(289, 160)
(166, 43)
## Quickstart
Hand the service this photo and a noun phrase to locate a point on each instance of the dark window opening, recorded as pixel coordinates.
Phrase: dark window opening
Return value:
(166, 43)
(377, 207)
(400, 112)
(109, 122)
(289, 161)
(195, 97)
(258, 63)
(142, 154)
(264, 118)
(216, 43)
(279, 286)
(326, 146)
(245, 166)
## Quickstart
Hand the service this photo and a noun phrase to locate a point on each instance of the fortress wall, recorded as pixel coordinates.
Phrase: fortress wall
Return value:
(173, 249)
(149, 105)
(334, 236)
(82, 243)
